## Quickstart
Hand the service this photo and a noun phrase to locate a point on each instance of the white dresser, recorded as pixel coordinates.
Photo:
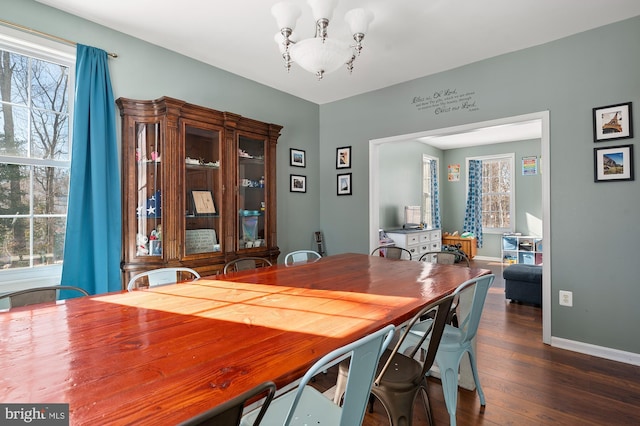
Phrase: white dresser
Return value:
(417, 241)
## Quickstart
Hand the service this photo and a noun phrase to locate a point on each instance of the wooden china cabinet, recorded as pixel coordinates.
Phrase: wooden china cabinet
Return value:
(199, 186)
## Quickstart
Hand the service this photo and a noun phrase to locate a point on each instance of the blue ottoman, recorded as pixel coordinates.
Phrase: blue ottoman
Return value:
(523, 283)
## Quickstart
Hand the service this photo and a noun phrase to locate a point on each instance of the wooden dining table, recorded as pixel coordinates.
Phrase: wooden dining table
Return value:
(164, 354)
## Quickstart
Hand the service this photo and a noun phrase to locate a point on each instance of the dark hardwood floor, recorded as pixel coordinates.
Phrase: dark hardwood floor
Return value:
(527, 382)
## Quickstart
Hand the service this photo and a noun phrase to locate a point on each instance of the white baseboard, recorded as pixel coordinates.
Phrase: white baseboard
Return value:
(599, 351)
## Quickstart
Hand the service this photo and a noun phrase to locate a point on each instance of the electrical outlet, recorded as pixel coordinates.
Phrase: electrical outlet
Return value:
(566, 298)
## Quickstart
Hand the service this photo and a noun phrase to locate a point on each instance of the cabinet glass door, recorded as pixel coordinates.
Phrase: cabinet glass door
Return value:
(251, 193)
(203, 190)
(148, 180)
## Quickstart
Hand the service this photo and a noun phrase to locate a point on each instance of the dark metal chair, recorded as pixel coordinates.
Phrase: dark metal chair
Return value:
(445, 257)
(246, 263)
(230, 412)
(32, 296)
(392, 252)
(400, 376)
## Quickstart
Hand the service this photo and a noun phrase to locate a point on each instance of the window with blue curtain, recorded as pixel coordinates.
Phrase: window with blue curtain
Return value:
(473, 211)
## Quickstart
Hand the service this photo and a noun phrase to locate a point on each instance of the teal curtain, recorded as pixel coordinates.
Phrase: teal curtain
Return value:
(435, 195)
(473, 212)
(93, 236)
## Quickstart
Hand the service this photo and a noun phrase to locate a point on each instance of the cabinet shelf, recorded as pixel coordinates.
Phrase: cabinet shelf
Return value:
(201, 167)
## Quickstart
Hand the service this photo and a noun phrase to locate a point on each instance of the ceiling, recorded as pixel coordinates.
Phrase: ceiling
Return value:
(408, 39)
(520, 131)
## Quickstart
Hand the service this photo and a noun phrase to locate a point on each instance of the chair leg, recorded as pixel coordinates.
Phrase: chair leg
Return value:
(476, 377)
(426, 401)
(449, 378)
(399, 406)
(341, 382)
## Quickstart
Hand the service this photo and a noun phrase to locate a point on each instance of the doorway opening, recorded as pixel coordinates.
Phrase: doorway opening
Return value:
(541, 119)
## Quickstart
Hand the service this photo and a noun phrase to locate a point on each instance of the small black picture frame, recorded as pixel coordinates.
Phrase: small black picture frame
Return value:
(612, 122)
(343, 157)
(297, 157)
(613, 163)
(298, 183)
(344, 184)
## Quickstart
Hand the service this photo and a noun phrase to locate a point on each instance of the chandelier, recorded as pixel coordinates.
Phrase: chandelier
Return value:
(319, 55)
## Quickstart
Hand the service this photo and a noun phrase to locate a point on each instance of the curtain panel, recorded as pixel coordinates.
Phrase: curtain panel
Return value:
(473, 212)
(93, 234)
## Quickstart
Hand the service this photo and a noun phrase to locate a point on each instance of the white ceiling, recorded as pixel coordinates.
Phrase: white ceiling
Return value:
(408, 39)
(521, 131)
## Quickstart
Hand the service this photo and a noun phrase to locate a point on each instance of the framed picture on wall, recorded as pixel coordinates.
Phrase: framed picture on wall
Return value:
(344, 184)
(612, 122)
(298, 183)
(343, 157)
(613, 163)
(297, 158)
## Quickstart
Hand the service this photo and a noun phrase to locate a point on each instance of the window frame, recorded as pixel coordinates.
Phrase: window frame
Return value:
(510, 157)
(425, 181)
(63, 54)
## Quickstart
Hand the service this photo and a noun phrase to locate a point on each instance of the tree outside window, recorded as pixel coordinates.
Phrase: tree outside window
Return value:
(497, 193)
(34, 159)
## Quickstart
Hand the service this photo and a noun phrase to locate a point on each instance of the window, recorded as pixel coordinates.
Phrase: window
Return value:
(428, 213)
(497, 193)
(36, 80)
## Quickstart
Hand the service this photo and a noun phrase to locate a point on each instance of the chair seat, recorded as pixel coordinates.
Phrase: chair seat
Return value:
(317, 409)
(451, 336)
(405, 374)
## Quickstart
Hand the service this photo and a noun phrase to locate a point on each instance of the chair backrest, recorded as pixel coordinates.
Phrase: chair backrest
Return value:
(301, 256)
(161, 276)
(439, 311)
(476, 290)
(445, 257)
(32, 296)
(245, 263)
(392, 252)
(230, 413)
(365, 354)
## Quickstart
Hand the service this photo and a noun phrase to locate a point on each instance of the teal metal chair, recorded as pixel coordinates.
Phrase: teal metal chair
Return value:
(456, 341)
(161, 276)
(307, 406)
(299, 256)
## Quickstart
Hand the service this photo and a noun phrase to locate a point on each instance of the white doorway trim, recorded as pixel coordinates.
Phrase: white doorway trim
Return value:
(543, 117)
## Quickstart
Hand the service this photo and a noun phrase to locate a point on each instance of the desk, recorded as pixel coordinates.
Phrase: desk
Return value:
(163, 355)
(468, 245)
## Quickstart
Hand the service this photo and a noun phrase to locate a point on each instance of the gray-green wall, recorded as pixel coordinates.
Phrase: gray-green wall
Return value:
(593, 225)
